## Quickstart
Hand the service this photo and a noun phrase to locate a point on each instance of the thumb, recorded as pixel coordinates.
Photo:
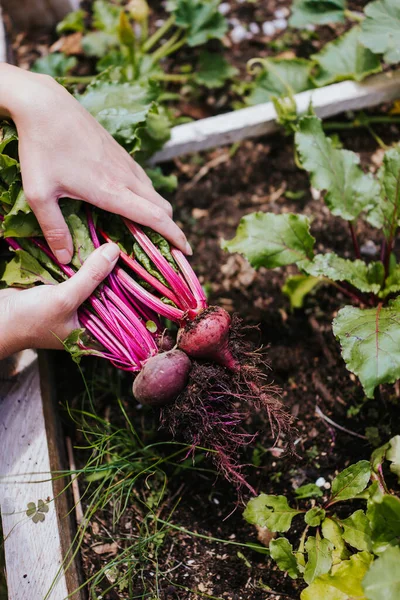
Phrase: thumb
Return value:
(94, 270)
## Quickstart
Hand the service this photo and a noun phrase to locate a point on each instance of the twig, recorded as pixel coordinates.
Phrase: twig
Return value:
(218, 160)
(323, 390)
(320, 414)
(74, 483)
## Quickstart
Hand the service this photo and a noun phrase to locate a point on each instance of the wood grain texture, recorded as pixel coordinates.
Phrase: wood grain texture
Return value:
(33, 550)
(3, 50)
(37, 14)
(260, 120)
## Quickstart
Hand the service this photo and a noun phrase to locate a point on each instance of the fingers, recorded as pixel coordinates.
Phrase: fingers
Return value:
(94, 270)
(147, 191)
(54, 228)
(142, 211)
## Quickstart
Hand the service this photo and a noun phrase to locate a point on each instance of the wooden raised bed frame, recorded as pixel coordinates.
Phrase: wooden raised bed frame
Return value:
(31, 444)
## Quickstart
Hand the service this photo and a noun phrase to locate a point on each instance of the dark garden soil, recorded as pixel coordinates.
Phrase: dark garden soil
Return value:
(215, 190)
(305, 363)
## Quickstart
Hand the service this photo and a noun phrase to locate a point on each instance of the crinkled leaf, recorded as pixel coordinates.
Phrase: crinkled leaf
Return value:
(119, 107)
(357, 531)
(280, 77)
(366, 278)
(382, 582)
(20, 221)
(332, 532)
(351, 481)
(83, 245)
(200, 18)
(386, 213)
(370, 342)
(213, 70)
(393, 455)
(56, 64)
(78, 344)
(9, 169)
(309, 490)
(270, 511)
(269, 240)
(383, 513)
(343, 59)
(152, 135)
(343, 583)
(106, 16)
(74, 21)
(349, 191)
(25, 270)
(317, 12)
(99, 43)
(319, 551)
(282, 553)
(161, 182)
(381, 29)
(314, 516)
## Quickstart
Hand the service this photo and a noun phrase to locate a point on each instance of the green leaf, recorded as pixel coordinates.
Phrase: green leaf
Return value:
(282, 553)
(119, 107)
(201, 20)
(99, 43)
(106, 16)
(270, 511)
(381, 29)
(126, 34)
(386, 212)
(382, 582)
(74, 21)
(269, 240)
(78, 344)
(83, 245)
(314, 516)
(350, 482)
(343, 59)
(152, 135)
(357, 531)
(383, 513)
(43, 259)
(9, 169)
(393, 455)
(20, 221)
(24, 271)
(56, 64)
(366, 278)
(213, 70)
(343, 583)
(161, 182)
(332, 532)
(317, 12)
(349, 191)
(279, 77)
(8, 134)
(309, 490)
(370, 342)
(319, 561)
(296, 288)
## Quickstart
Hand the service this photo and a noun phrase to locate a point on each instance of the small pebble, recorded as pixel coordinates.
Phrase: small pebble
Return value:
(327, 486)
(320, 482)
(369, 249)
(315, 194)
(254, 28)
(309, 27)
(224, 8)
(159, 22)
(216, 501)
(268, 28)
(238, 34)
(280, 24)
(281, 13)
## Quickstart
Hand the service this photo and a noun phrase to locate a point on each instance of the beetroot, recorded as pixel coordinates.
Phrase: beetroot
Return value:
(162, 378)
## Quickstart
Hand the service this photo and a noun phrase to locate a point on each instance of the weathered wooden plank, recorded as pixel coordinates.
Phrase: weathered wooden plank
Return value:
(3, 48)
(37, 14)
(33, 550)
(260, 120)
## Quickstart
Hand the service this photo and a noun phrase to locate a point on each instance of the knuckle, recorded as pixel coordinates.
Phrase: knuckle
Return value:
(157, 215)
(95, 274)
(55, 236)
(36, 196)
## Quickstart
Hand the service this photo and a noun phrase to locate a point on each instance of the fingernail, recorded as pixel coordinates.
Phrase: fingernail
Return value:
(110, 252)
(188, 249)
(63, 256)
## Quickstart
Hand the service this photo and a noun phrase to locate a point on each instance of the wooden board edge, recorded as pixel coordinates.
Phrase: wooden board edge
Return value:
(255, 121)
(62, 492)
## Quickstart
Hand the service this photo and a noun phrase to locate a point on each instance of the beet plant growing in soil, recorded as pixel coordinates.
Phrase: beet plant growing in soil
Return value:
(347, 546)
(368, 326)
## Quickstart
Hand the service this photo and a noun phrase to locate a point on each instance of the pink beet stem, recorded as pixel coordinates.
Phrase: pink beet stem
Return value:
(176, 282)
(190, 277)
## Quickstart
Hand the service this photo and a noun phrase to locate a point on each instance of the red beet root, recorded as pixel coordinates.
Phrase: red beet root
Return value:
(162, 378)
(207, 338)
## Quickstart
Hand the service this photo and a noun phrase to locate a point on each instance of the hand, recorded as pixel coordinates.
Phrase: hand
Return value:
(64, 152)
(42, 316)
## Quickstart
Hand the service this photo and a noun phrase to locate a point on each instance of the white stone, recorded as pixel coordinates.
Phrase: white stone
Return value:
(254, 28)
(224, 8)
(280, 24)
(238, 34)
(320, 482)
(281, 13)
(268, 28)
